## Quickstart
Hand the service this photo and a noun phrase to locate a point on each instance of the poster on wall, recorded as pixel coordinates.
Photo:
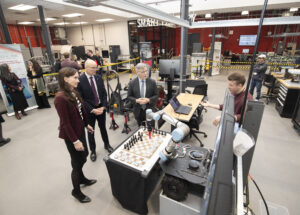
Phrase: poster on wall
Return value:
(11, 54)
(146, 54)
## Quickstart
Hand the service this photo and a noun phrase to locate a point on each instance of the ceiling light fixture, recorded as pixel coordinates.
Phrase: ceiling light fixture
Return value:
(25, 23)
(22, 7)
(293, 9)
(104, 20)
(61, 23)
(78, 23)
(208, 15)
(48, 19)
(245, 12)
(72, 15)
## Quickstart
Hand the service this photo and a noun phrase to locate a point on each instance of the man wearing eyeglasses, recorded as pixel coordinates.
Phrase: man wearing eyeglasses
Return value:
(92, 90)
(142, 92)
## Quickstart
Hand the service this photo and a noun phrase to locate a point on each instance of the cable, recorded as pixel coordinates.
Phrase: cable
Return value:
(267, 208)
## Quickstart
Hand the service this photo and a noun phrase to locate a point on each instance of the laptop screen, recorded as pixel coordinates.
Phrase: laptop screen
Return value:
(174, 103)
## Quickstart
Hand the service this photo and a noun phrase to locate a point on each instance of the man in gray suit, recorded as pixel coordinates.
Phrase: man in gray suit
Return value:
(142, 92)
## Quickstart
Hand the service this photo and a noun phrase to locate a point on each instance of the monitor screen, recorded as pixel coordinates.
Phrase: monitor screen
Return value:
(174, 103)
(166, 65)
(245, 51)
(218, 197)
(247, 40)
(105, 54)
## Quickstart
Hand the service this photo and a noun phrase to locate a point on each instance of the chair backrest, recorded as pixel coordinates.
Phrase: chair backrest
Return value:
(201, 89)
(268, 78)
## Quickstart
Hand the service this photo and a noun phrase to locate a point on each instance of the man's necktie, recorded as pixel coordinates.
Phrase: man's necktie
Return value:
(143, 93)
(94, 91)
(143, 89)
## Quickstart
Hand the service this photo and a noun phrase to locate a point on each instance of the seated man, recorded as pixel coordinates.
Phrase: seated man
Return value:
(142, 93)
(236, 83)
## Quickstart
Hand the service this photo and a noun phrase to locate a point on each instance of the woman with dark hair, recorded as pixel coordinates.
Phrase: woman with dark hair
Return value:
(73, 119)
(15, 89)
(36, 81)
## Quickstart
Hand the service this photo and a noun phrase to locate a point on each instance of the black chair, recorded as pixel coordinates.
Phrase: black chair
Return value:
(269, 83)
(201, 89)
(194, 124)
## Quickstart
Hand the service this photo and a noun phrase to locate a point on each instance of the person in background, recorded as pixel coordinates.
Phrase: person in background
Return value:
(57, 65)
(259, 71)
(73, 120)
(236, 83)
(142, 93)
(3, 140)
(36, 81)
(93, 92)
(93, 57)
(15, 89)
(67, 62)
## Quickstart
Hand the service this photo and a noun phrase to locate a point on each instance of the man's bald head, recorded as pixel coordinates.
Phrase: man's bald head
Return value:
(90, 67)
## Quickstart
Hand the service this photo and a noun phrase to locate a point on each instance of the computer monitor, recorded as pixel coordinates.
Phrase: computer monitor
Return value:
(245, 51)
(105, 54)
(168, 66)
(219, 190)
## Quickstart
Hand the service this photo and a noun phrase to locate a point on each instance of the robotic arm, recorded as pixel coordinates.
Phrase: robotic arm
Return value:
(177, 134)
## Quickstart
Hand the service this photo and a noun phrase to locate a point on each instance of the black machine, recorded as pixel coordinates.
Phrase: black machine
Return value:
(219, 191)
(79, 51)
(187, 172)
(178, 108)
(105, 54)
(114, 52)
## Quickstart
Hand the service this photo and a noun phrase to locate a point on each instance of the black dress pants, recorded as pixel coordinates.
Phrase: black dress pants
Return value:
(42, 101)
(141, 117)
(78, 159)
(101, 119)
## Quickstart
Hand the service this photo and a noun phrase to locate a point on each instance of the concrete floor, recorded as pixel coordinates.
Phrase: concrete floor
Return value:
(35, 166)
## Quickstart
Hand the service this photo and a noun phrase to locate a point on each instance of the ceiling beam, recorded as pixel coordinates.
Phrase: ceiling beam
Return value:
(291, 20)
(136, 7)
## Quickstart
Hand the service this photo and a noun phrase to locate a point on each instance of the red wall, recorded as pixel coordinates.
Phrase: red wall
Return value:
(232, 43)
(28, 31)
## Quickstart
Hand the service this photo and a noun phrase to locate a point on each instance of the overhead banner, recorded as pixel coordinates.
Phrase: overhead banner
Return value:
(11, 54)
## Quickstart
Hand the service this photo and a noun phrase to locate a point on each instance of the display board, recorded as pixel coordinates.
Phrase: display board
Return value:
(146, 53)
(247, 40)
(11, 54)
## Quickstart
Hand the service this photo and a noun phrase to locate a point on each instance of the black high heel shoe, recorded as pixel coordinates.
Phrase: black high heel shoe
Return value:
(81, 197)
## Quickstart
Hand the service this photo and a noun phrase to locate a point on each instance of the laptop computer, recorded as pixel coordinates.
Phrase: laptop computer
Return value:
(178, 108)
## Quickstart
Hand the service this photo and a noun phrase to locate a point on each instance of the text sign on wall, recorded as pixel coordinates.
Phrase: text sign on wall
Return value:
(149, 22)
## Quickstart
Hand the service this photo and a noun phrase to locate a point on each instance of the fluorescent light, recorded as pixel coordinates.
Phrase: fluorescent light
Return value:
(22, 7)
(245, 12)
(25, 23)
(48, 19)
(208, 15)
(72, 15)
(104, 20)
(78, 23)
(293, 9)
(61, 23)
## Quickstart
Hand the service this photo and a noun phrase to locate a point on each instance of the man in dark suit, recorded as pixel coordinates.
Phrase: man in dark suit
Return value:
(92, 90)
(142, 92)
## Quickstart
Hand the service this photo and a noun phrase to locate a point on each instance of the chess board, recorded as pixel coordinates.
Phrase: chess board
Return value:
(140, 151)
